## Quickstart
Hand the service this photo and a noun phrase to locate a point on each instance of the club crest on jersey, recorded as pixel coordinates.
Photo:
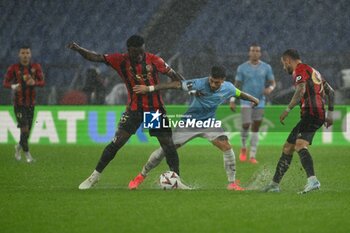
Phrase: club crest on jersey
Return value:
(298, 78)
(148, 68)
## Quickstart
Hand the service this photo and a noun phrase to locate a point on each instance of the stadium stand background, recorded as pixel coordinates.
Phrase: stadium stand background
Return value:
(191, 35)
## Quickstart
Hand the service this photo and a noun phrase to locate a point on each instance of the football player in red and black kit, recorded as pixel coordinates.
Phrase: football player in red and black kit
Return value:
(136, 67)
(22, 78)
(311, 89)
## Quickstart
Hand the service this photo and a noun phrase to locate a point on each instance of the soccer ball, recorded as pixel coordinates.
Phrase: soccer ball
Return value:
(168, 180)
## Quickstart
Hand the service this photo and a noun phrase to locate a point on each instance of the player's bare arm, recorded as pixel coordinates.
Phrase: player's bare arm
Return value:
(143, 89)
(330, 94)
(87, 54)
(271, 86)
(174, 75)
(298, 94)
(238, 85)
(246, 96)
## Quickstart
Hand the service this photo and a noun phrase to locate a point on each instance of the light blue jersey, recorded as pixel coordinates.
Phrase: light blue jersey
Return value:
(253, 79)
(204, 107)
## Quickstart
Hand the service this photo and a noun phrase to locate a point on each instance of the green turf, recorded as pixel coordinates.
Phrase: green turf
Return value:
(43, 197)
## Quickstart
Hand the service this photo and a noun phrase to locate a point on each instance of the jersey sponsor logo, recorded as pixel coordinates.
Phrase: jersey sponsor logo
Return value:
(298, 78)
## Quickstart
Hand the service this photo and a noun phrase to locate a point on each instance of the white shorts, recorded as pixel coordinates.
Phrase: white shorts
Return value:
(182, 135)
(249, 114)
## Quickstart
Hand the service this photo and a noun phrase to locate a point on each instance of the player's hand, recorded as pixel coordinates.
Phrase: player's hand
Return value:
(73, 46)
(329, 119)
(233, 106)
(196, 93)
(328, 122)
(16, 87)
(255, 102)
(30, 82)
(283, 116)
(140, 89)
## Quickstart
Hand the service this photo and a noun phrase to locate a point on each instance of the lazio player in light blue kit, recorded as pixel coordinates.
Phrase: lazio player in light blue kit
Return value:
(210, 93)
(205, 107)
(256, 78)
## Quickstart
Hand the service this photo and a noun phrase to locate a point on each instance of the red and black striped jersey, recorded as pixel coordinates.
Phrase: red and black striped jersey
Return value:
(144, 73)
(313, 101)
(19, 74)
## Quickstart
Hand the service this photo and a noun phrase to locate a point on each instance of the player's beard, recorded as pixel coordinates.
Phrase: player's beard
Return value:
(214, 89)
(289, 70)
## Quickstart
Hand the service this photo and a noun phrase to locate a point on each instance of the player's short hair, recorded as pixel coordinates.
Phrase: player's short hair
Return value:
(292, 53)
(24, 46)
(254, 45)
(135, 41)
(218, 72)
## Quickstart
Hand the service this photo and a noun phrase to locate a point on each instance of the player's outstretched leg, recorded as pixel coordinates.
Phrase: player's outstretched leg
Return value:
(172, 158)
(121, 137)
(230, 167)
(156, 157)
(281, 168)
(170, 153)
(222, 143)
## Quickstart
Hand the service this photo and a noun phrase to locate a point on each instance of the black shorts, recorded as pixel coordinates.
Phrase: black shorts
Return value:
(131, 121)
(305, 129)
(24, 116)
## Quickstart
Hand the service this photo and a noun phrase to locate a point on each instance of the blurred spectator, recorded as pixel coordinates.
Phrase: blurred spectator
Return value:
(52, 97)
(94, 88)
(118, 95)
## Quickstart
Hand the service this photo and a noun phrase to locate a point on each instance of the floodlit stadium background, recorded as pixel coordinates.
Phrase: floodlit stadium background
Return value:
(190, 35)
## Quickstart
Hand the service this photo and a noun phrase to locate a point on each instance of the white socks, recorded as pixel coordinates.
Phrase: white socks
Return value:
(154, 160)
(254, 140)
(230, 165)
(244, 137)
